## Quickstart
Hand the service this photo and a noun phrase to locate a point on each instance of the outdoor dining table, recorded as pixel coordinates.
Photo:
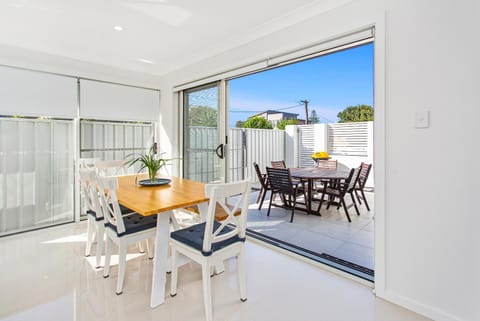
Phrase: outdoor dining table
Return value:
(161, 200)
(310, 174)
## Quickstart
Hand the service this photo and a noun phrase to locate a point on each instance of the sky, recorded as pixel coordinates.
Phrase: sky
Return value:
(330, 83)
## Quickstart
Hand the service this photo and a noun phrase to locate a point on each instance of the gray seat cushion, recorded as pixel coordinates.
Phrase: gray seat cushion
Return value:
(135, 223)
(193, 237)
(94, 214)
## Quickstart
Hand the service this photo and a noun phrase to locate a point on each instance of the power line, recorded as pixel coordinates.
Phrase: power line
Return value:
(259, 111)
(289, 107)
(244, 111)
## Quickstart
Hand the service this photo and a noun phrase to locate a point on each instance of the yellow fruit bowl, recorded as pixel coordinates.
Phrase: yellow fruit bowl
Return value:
(320, 155)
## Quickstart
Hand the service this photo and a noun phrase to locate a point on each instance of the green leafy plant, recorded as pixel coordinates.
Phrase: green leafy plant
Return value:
(284, 122)
(356, 113)
(257, 122)
(150, 161)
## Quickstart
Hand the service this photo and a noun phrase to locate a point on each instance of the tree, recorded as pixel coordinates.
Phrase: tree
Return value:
(203, 116)
(239, 124)
(257, 122)
(313, 119)
(355, 114)
(284, 122)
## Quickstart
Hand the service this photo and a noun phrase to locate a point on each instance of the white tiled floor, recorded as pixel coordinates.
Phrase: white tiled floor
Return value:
(44, 276)
(330, 233)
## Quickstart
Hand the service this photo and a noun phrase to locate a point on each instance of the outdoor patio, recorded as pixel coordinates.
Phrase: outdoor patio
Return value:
(330, 233)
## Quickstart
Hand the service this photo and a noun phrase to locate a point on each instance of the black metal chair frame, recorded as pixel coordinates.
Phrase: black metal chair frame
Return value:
(340, 190)
(280, 181)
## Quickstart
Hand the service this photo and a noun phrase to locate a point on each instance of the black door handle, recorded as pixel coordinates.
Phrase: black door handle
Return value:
(219, 151)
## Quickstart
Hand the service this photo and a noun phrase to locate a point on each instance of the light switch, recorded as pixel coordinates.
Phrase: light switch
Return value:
(422, 119)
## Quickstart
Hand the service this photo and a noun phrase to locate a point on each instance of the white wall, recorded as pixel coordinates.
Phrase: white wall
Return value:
(426, 57)
(432, 236)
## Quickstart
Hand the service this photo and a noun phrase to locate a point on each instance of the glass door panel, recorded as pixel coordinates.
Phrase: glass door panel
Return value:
(203, 134)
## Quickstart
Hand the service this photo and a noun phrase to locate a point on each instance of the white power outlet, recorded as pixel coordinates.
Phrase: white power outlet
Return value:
(422, 119)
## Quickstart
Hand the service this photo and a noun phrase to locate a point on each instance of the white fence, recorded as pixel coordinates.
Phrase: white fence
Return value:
(349, 143)
(201, 163)
(260, 146)
(36, 173)
(245, 146)
(352, 139)
(108, 140)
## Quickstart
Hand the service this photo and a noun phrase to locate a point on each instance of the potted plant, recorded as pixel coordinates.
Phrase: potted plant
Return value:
(150, 161)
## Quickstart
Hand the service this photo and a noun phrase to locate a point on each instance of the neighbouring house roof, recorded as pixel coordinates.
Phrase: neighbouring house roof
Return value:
(285, 115)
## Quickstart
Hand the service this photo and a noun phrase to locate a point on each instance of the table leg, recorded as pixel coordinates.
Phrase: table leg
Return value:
(160, 263)
(203, 209)
(310, 196)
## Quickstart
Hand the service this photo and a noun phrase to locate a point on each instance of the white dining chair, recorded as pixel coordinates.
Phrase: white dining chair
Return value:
(211, 242)
(84, 163)
(111, 167)
(116, 168)
(95, 221)
(122, 230)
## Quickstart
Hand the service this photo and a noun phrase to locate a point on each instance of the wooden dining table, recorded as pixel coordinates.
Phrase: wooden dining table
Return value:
(311, 174)
(161, 200)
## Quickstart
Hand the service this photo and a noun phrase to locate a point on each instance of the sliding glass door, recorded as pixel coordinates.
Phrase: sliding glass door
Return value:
(204, 139)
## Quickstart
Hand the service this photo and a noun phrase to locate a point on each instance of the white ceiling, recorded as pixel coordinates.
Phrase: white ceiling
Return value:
(165, 34)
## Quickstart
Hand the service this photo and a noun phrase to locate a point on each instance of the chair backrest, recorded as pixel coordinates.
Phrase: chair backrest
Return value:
(280, 180)
(88, 186)
(109, 202)
(261, 177)
(231, 197)
(87, 162)
(327, 163)
(351, 181)
(364, 172)
(111, 167)
(279, 164)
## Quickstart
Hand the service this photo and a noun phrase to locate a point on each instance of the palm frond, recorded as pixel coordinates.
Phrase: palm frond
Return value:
(148, 161)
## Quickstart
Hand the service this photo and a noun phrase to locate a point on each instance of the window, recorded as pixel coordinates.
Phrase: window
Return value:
(108, 140)
(36, 173)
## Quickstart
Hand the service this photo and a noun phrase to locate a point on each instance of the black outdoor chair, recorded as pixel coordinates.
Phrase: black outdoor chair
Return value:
(279, 164)
(265, 185)
(362, 179)
(281, 183)
(326, 164)
(339, 190)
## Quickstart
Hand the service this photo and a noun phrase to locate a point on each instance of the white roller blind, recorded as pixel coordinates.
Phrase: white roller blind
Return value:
(99, 100)
(313, 50)
(323, 48)
(32, 93)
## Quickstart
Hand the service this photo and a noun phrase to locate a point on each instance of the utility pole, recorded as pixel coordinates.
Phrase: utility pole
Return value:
(305, 102)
